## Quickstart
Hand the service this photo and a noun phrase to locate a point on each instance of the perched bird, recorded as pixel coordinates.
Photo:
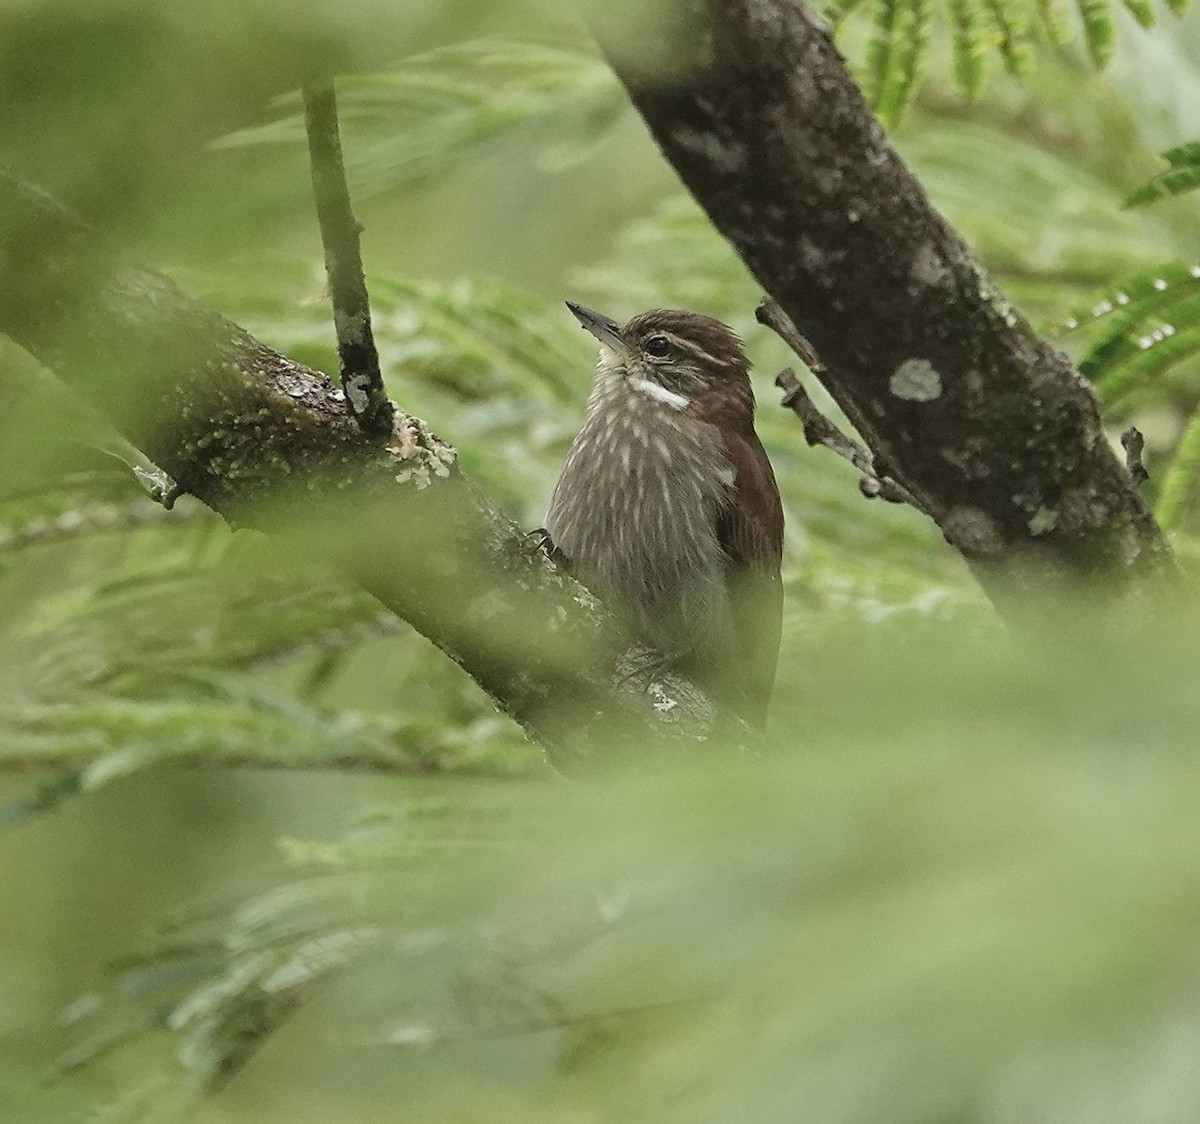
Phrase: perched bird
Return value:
(667, 506)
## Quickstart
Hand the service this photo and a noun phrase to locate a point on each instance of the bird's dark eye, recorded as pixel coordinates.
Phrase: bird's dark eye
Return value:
(657, 345)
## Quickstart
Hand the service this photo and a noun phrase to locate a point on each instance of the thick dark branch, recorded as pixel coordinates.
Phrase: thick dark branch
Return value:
(268, 443)
(362, 382)
(987, 425)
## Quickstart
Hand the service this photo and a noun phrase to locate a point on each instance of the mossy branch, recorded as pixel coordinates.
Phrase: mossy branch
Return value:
(268, 443)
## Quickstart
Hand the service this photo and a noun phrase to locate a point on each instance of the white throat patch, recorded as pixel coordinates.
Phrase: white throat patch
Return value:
(660, 394)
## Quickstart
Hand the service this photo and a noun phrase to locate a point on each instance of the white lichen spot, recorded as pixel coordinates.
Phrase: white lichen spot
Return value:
(662, 702)
(350, 326)
(1196, 271)
(1122, 298)
(827, 179)
(1159, 284)
(423, 454)
(612, 906)
(418, 474)
(1042, 521)
(489, 605)
(915, 380)
(586, 600)
(410, 1034)
(927, 266)
(724, 155)
(358, 389)
(815, 259)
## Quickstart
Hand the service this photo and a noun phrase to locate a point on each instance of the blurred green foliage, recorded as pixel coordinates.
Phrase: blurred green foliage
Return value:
(956, 886)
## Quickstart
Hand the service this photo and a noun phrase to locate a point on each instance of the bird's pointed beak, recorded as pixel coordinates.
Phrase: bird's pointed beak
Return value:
(606, 330)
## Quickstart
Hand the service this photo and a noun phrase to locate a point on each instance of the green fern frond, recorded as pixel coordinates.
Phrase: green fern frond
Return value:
(1151, 324)
(896, 56)
(99, 741)
(101, 518)
(1139, 296)
(1180, 479)
(1131, 315)
(1182, 174)
(896, 50)
(434, 110)
(479, 326)
(1156, 352)
(227, 976)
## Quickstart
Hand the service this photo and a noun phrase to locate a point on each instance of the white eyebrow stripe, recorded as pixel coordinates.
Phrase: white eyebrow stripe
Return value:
(700, 353)
(660, 394)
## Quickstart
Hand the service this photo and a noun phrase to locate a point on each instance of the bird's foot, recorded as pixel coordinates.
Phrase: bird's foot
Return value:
(541, 546)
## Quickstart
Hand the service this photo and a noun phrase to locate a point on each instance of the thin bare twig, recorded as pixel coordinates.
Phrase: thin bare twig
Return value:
(1133, 443)
(362, 382)
(818, 429)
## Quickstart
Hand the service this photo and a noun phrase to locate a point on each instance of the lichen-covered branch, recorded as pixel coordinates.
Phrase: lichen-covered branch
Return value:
(986, 424)
(269, 444)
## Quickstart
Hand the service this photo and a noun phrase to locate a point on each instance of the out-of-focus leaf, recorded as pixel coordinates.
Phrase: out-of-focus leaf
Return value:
(436, 110)
(968, 26)
(1180, 480)
(1098, 30)
(1012, 23)
(896, 56)
(1181, 175)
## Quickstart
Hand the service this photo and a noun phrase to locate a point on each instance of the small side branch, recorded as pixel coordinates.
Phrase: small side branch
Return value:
(818, 429)
(1133, 442)
(362, 382)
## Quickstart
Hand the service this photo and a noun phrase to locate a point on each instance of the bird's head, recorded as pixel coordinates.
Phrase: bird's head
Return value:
(677, 359)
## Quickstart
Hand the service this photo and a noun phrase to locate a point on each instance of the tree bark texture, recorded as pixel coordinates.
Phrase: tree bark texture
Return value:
(269, 444)
(988, 425)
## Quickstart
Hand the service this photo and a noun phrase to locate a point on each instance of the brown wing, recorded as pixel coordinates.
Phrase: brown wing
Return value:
(750, 529)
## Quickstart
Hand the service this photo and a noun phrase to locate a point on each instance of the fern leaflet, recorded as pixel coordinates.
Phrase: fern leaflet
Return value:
(968, 27)
(1098, 29)
(1015, 47)
(896, 56)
